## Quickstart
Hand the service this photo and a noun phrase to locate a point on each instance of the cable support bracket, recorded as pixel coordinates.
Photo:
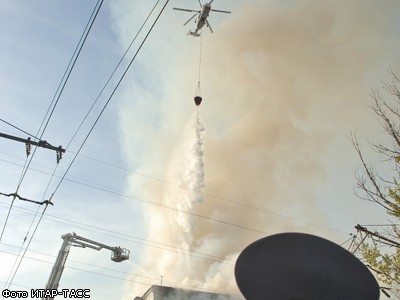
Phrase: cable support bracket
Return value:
(15, 195)
(381, 238)
(28, 142)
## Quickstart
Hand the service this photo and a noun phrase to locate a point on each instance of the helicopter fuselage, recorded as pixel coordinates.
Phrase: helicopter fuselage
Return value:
(201, 20)
(201, 17)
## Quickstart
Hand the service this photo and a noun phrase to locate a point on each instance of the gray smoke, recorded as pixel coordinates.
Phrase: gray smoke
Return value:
(283, 83)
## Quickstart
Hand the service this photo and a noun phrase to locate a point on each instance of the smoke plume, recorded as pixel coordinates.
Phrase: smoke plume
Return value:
(283, 82)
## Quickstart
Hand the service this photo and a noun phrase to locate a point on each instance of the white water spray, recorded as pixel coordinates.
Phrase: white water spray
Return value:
(198, 152)
(197, 260)
(186, 171)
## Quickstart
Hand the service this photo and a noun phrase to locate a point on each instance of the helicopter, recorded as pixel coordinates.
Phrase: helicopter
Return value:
(202, 16)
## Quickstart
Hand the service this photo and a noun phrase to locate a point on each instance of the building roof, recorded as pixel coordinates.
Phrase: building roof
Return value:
(158, 292)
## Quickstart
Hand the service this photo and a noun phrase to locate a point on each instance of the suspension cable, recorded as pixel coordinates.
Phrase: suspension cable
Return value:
(200, 54)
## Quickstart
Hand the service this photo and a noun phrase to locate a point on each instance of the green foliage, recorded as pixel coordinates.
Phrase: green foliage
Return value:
(383, 254)
(394, 194)
(387, 267)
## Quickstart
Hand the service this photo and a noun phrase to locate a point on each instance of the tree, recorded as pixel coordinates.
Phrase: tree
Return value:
(380, 248)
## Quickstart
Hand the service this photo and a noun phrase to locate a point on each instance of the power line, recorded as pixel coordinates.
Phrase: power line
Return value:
(80, 269)
(128, 237)
(26, 248)
(154, 277)
(71, 64)
(213, 195)
(111, 95)
(90, 131)
(106, 189)
(52, 107)
(74, 261)
(203, 193)
(112, 74)
(23, 131)
(56, 99)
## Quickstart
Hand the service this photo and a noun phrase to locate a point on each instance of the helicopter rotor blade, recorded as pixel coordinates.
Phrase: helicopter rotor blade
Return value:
(209, 26)
(184, 9)
(221, 11)
(191, 18)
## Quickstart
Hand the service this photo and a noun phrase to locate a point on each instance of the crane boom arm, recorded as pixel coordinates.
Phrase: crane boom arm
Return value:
(72, 239)
(58, 267)
(89, 243)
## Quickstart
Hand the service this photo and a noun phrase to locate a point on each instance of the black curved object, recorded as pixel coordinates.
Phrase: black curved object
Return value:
(198, 100)
(300, 266)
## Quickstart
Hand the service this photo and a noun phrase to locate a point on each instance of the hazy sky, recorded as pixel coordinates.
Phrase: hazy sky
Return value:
(283, 85)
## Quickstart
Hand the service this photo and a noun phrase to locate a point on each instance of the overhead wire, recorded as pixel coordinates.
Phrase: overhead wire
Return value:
(116, 192)
(48, 116)
(349, 239)
(106, 189)
(75, 268)
(111, 96)
(113, 233)
(55, 100)
(95, 125)
(79, 262)
(28, 231)
(213, 196)
(19, 129)
(74, 261)
(136, 239)
(112, 74)
(116, 234)
(136, 198)
(90, 131)
(71, 64)
(153, 278)
(364, 260)
(119, 193)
